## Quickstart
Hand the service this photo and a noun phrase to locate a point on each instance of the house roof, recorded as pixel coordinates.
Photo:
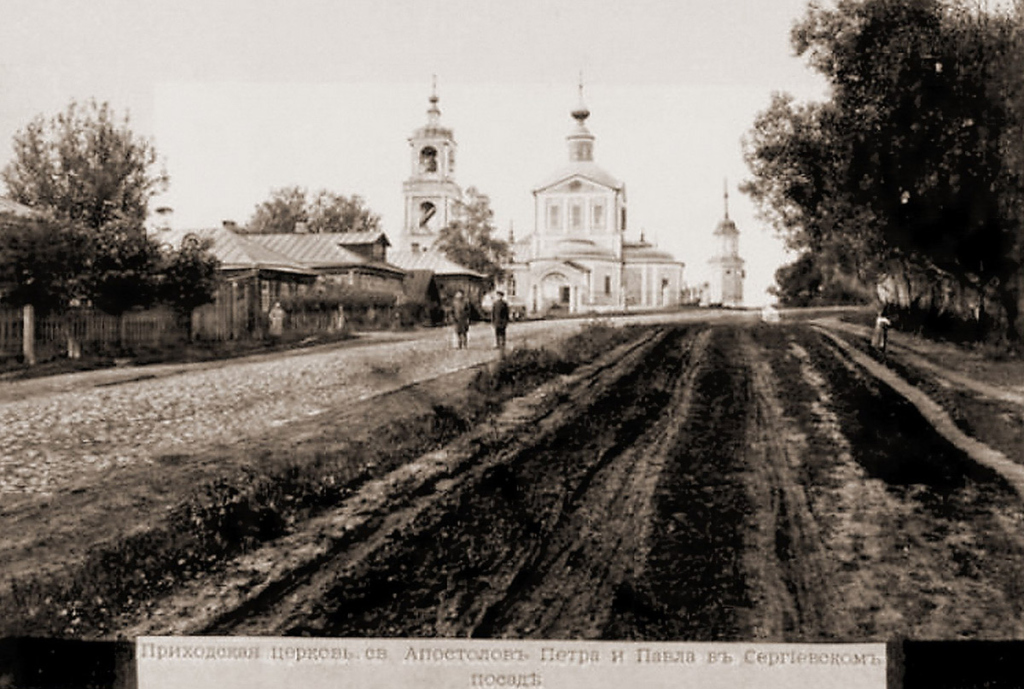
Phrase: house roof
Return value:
(434, 261)
(236, 252)
(13, 207)
(586, 169)
(349, 238)
(312, 250)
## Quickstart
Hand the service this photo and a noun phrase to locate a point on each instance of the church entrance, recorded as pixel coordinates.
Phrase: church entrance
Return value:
(556, 292)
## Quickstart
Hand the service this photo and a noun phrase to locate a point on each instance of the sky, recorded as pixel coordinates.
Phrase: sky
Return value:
(242, 97)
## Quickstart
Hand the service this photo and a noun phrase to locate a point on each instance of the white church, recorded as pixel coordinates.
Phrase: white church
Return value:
(577, 259)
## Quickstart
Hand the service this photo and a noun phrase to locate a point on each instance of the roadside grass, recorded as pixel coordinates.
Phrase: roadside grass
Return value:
(123, 578)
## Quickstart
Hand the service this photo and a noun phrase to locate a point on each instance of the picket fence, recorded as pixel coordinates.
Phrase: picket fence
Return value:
(89, 330)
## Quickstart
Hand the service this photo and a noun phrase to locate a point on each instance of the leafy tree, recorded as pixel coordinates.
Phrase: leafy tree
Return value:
(190, 276)
(469, 238)
(126, 268)
(332, 212)
(284, 209)
(907, 161)
(43, 262)
(323, 212)
(85, 165)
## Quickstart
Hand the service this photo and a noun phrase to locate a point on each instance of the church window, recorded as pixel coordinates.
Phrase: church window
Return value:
(598, 211)
(554, 216)
(623, 227)
(428, 159)
(607, 284)
(575, 216)
(511, 285)
(427, 213)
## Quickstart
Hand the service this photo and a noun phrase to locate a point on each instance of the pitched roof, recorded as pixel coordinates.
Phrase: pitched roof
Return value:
(348, 238)
(313, 250)
(235, 251)
(586, 169)
(13, 207)
(434, 261)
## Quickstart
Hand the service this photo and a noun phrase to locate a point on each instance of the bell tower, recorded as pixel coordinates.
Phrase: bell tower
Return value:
(727, 266)
(430, 191)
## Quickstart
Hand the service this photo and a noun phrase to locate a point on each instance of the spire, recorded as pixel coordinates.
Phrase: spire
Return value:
(433, 113)
(726, 198)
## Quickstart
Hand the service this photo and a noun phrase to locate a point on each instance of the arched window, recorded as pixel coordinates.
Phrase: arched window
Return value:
(428, 159)
(427, 213)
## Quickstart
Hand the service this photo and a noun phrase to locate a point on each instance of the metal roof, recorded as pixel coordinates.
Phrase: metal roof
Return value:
(235, 251)
(433, 261)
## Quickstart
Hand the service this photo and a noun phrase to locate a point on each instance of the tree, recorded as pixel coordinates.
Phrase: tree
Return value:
(190, 276)
(324, 212)
(43, 262)
(285, 209)
(469, 238)
(86, 166)
(906, 163)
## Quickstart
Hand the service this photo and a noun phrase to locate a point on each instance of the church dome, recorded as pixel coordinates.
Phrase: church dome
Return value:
(726, 227)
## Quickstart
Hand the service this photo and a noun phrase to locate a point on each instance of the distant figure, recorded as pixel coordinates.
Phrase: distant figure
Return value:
(276, 316)
(460, 317)
(499, 319)
(880, 336)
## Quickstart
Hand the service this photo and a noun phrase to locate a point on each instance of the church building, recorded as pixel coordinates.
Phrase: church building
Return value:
(577, 259)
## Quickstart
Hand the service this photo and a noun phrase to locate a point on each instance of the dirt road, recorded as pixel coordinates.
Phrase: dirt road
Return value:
(727, 481)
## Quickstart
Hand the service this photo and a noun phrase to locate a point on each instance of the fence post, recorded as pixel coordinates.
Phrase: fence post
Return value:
(28, 334)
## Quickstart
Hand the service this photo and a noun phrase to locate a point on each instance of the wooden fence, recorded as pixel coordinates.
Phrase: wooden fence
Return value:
(90, 331)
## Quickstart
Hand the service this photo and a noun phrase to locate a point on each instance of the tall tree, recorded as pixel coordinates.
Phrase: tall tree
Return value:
(324, 211)
(469, 238)
(85, 165)
(907, 159)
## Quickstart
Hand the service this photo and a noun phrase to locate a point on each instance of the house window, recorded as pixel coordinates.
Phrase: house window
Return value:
(607, 284)
(554, 216)
(576, 216)
(598, 211)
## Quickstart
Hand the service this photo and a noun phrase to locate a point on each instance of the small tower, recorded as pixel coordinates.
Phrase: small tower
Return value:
(430, 191)
(727, 266)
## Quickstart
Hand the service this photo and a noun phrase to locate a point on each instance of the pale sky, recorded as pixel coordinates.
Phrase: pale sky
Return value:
(242, 97)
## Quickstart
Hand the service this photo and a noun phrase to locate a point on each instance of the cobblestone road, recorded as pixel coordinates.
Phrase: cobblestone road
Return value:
(55, 434)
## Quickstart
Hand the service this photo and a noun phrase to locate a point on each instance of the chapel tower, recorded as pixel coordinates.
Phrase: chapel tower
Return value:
(727, 266)
(430, 191)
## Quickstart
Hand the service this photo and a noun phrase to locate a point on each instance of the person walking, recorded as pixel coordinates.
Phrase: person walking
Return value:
(460, 317)
(880, 335)
(499, 319)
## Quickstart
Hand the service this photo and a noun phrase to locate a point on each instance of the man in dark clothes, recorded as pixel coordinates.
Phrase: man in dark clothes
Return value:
(499, 319)
(460, 316)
